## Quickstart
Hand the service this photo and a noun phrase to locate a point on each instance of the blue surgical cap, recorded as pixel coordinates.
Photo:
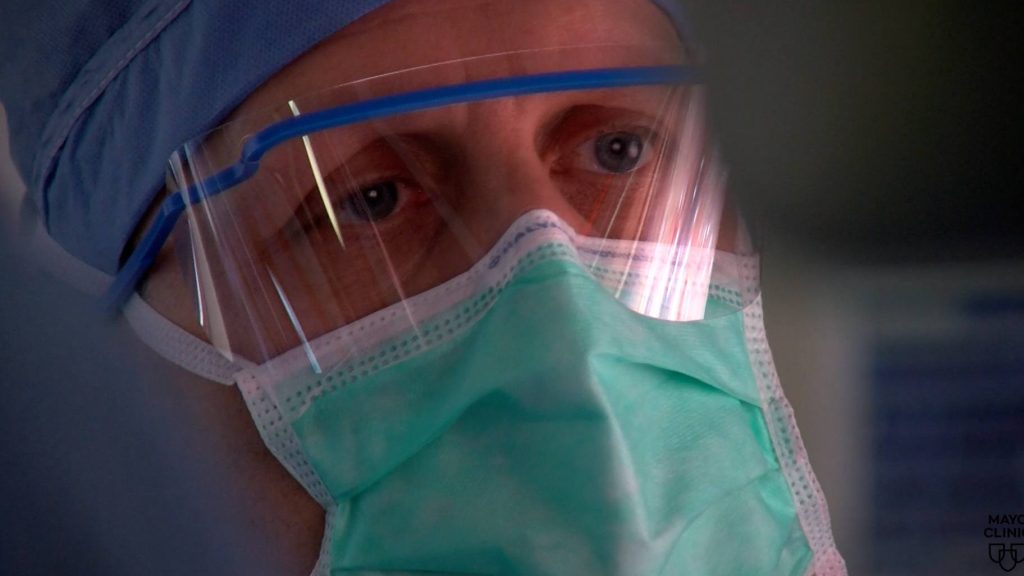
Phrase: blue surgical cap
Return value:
(99, 94)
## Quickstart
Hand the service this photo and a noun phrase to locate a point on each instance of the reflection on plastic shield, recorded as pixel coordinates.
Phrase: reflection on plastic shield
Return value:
(339, 222)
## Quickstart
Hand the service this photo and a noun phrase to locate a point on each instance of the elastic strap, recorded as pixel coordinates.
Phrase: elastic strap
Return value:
(178, 346)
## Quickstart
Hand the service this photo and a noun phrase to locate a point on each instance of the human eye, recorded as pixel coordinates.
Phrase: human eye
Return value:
(353, 207)
(604, 157)
(604, 141)
(616, 151)
(377, 201)
(374, 187)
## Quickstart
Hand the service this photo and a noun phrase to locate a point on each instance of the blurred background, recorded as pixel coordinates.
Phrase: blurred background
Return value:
(877, 147)
(108, 465)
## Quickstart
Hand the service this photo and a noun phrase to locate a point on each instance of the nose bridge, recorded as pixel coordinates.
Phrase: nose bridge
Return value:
(505, 174)
(500, 151)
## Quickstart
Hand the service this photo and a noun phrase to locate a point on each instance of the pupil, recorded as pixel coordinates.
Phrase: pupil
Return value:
(375, 202)
(619, 152)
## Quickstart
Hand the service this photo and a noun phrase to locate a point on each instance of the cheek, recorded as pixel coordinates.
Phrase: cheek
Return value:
(168, 292)
(731, 231)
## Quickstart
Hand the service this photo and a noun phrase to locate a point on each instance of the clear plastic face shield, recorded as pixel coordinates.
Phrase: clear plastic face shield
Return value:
(346, 203)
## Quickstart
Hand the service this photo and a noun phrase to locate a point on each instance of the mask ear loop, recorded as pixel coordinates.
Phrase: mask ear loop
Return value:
(179, 347)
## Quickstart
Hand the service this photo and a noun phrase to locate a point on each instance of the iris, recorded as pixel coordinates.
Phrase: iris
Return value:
(374, 203)
(619, 152)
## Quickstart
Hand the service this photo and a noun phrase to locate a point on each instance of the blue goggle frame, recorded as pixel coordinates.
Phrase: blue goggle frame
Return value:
(259, 144)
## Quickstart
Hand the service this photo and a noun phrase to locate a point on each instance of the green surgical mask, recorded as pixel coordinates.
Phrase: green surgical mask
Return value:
(534, 425)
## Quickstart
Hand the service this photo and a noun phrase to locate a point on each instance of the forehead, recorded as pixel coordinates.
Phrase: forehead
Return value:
(407, 34)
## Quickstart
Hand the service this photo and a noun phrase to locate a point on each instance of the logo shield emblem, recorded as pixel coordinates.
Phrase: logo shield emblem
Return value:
(1007, 556)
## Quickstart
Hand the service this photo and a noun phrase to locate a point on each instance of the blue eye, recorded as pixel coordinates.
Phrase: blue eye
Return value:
(374, 203)
(619, 152)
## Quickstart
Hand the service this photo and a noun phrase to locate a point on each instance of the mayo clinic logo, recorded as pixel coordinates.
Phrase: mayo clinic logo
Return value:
(1002, 527)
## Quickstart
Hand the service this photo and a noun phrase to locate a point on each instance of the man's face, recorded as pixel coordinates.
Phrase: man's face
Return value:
(346, 222)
